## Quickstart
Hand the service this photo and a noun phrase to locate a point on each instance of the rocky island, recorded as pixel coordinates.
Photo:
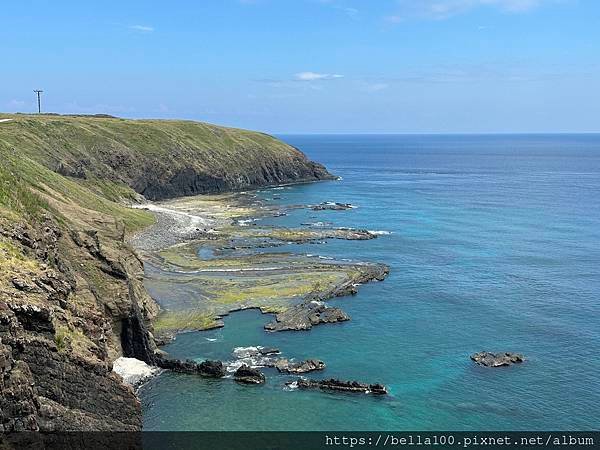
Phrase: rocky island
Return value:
(488, 359)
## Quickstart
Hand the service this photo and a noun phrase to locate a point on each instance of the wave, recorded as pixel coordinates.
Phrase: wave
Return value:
(251, 356)
(245, 222)
(379, 232)
(244, 269)
(291, 386)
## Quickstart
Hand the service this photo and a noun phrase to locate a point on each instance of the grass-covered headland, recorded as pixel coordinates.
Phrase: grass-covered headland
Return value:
(71, 292)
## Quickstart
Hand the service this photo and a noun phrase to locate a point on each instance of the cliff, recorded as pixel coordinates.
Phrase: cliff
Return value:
(71, 290)
(156, 158)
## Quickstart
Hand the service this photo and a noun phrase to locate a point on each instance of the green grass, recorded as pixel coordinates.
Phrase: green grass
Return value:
(121, 150)
(13, 262)
(23, 181)
(73, 340)
(105, 158)
(15, 197)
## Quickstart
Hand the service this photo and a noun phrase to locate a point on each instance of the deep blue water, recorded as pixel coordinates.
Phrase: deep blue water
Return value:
(495, 245)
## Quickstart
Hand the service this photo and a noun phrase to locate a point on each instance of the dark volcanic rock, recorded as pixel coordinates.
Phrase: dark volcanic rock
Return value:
(305, 315)
(211, 369)
(331, 206)
(248, 375)
(285, 366)
(46, 382)
(488, 359)
(268, 350)
(343, 386)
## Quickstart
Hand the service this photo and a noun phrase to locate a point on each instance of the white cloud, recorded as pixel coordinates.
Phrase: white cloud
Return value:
(313, 76)
(142, 28)
(443, 9)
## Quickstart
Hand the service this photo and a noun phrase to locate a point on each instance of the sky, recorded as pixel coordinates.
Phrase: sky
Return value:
(311, 66)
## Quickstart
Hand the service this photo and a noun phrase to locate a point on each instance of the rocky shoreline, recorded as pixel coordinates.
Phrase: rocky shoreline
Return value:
(74, 294)
(228, 265)
(219, 234)
(215, 222)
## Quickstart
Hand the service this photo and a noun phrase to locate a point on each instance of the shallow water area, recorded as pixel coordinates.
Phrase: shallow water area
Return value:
(494, 245)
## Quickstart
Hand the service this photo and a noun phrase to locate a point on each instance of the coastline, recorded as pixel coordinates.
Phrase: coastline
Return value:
(172, 248)
(72, 287)
(192, 241)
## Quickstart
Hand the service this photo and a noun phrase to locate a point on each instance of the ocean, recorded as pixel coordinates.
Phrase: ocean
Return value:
(493, 244)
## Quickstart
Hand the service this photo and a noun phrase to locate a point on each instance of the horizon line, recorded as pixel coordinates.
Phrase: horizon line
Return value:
(436, 133)
(328, 133)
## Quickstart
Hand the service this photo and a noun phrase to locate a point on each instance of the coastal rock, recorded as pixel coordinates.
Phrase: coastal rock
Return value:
(248, 375)
(338, 385)
(286, 366)
(333, 206)
(268, 350)
(249, 352)
(61, 313)
(305, 315)
(488, 359)
(210, 369)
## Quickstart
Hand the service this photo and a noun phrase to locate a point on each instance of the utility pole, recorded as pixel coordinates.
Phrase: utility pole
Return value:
(38, 92)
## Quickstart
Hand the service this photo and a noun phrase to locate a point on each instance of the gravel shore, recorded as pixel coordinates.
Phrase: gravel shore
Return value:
(172, 227)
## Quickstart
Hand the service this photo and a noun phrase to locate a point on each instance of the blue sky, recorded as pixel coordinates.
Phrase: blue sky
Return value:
(333, 66)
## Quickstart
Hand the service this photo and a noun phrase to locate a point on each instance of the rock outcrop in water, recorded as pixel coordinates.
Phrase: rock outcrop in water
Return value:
(248, 375)
(313, 311)
(310, 365)
(341, 386)
(255, 356)
(211, 369)
(332, 206)
(488, 359)
(306, 315)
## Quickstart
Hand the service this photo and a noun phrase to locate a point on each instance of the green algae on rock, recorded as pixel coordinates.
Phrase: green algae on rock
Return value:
(229, 267)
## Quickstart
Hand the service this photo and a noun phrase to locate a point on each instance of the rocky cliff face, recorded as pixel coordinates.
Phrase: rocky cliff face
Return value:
(71, 290)
(189, 181)
(66, 298)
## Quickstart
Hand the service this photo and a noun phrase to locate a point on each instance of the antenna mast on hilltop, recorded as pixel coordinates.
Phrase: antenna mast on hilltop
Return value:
(38, 92)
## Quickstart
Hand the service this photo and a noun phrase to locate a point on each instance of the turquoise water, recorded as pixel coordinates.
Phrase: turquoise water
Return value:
(495, 245)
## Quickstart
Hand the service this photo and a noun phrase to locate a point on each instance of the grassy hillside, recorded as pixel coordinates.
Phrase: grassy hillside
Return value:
(71, 290)
(156, 158)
